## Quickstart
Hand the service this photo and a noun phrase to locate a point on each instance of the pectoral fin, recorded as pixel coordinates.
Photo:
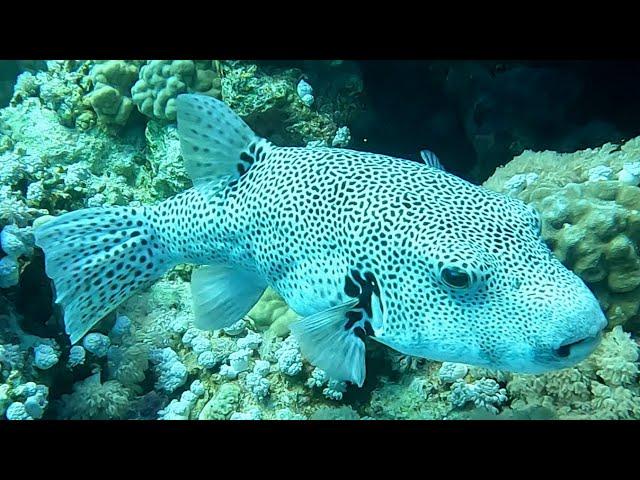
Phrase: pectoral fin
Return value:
(333, 341)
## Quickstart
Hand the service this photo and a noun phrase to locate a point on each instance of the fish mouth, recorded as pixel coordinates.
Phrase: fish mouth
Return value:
(567, 354)
(576, 350)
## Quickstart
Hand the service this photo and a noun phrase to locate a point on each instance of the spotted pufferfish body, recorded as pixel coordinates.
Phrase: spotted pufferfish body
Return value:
(358, 244)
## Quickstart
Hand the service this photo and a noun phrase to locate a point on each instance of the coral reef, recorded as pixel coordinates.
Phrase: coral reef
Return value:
(414, 398)
(72, 169)
(111, 139)
(335, 413)
(279, 105)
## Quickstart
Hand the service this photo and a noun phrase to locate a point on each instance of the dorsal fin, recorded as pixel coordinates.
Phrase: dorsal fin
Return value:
(431, 159)
(215, 142)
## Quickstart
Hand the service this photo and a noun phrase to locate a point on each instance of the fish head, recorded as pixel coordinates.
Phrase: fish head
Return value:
(481, 287)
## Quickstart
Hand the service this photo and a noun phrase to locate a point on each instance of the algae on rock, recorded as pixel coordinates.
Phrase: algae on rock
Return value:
(222, 404)
(268, 101)
(62, 88)
(168, 175)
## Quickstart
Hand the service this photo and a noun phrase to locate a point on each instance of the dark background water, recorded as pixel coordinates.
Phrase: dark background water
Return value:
(476, 115)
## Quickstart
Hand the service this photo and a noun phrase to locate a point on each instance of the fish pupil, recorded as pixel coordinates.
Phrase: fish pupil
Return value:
(455, 277)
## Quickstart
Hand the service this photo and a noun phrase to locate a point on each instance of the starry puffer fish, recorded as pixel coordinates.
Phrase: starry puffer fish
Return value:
(358, 244)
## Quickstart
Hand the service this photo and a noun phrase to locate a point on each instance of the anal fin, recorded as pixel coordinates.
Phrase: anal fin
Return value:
(222, 295)
(328, 342)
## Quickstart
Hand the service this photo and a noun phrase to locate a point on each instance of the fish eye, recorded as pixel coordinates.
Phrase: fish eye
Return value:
(455, 277)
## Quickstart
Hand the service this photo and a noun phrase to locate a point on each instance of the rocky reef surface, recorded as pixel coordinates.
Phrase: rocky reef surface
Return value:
(92, 133)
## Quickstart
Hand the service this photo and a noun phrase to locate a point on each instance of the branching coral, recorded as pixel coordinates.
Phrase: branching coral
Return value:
(614, 403)
(170, 371)
(289, 357)
(484, 393)
(616, 361)
(128, 364)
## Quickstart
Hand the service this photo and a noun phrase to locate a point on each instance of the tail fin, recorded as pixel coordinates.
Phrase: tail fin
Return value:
(97, 258)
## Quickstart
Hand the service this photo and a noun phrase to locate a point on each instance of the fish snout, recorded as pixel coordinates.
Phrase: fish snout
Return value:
(583, 338)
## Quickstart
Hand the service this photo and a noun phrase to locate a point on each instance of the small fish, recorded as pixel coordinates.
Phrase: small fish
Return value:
(359, 244)
(431, 159)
